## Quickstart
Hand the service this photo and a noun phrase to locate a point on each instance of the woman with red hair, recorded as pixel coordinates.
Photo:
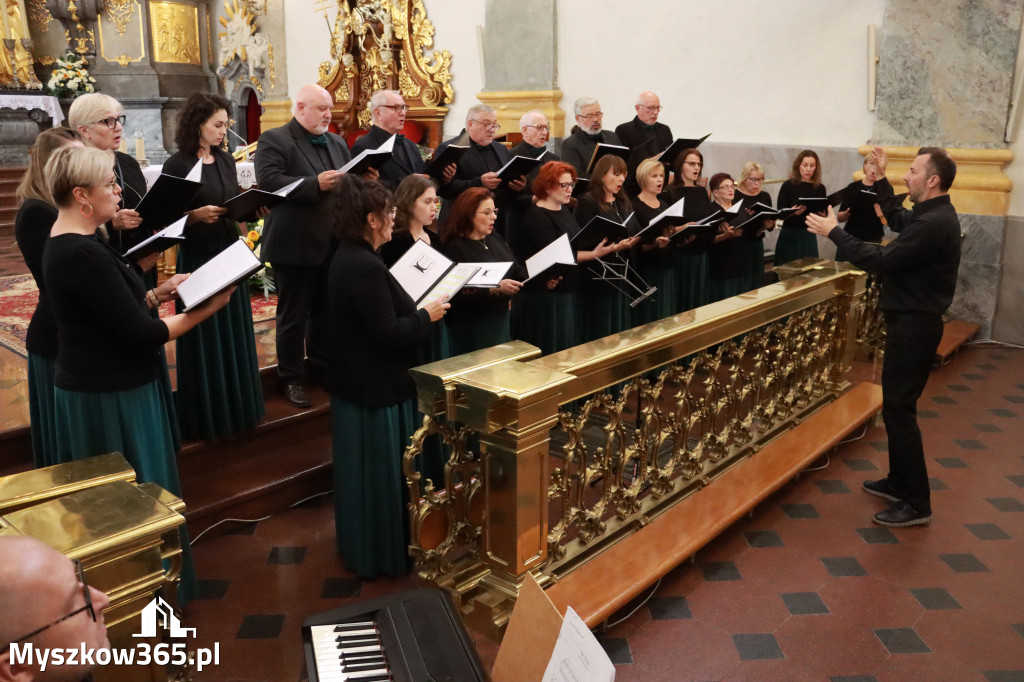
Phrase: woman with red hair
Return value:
(479, 317)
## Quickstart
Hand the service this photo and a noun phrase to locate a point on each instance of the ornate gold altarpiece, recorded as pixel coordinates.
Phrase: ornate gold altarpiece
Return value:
(382, 44)
(122, 532)
(555, 459)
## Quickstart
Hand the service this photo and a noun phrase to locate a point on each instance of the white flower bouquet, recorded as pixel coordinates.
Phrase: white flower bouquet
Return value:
(70, 77)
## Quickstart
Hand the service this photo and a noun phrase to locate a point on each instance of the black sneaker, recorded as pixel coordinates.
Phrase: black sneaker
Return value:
(902, 514)
(881, 488)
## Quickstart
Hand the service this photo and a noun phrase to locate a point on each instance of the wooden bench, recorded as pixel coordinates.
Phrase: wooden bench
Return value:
(606, 583)
(955, 333)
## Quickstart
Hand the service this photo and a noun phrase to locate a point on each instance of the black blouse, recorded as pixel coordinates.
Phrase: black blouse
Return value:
(31, 230)
(133, 187)
(790, 193)
(748, 205)
(729, 258)
(402, 241)
(540, 227)
(654, 257)
(471, 302)
(864, 223)
(108, 341)
(220, 183)
(697, 205)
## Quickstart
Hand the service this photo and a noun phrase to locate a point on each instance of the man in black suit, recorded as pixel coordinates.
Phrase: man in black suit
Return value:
(388, 111)
(644, 136)
(535, 129)
(578, 148)
(297, 235)
(479, 165)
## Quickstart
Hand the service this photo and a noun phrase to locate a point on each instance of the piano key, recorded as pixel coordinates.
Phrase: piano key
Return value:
(356, 625)
(338, 676)
(378, 665)
(349, 641)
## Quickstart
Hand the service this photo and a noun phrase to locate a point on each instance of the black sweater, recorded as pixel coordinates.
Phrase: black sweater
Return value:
(402, 241)
(220, 183)
(540, 227)
(376, 332)
(789, 195)
(31, 230)
(654, 257)
(919, 268)
(470, 302)
(697, 205)
(863, 222)
(133, 188)
(108, 341)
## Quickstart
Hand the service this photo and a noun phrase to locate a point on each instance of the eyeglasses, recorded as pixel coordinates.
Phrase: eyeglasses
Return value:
(726, 187)
(753, 179)
(567, 185)
(543, 127)
(488, 212)
(113, 121)
(397, 108)
(588, 117)
(88, 607)
(652, 107)
(487, 124)
(695, 164)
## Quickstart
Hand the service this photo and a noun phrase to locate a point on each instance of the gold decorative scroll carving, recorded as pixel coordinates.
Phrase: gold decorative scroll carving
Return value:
(383, 44)
(175, 29)
(121, 13)
(82, 44)
(39, 14)
(124, 59)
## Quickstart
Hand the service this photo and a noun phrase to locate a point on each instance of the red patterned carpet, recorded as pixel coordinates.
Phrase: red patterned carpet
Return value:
(18, 298)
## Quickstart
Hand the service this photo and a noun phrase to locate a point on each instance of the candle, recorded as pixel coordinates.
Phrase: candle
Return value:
(140, 145)
(123, 148)
(24, 19)
(7, 27)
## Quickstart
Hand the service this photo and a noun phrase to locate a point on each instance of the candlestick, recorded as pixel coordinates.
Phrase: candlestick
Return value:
(140, 145)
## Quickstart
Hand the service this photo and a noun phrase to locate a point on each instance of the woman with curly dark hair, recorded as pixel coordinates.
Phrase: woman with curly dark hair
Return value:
(219, 391)
(376, 336)
(479, 317)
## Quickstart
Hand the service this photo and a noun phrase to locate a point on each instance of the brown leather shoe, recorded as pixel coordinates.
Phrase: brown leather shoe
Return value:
(296, 395)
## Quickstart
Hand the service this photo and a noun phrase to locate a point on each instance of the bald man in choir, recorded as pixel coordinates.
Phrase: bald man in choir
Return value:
(388, 109)
(536, 131)
(578, 148)
(644, 136)
(479, 165)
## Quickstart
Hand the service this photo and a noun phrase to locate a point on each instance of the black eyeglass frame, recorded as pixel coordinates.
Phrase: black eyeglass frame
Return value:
(112, 121)
(88, 607)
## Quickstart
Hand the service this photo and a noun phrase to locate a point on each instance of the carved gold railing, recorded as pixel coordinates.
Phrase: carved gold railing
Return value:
(553, 459)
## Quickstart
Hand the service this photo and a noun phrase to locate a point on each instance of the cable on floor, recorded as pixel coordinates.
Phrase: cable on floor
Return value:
(262, 518)
(654, 588)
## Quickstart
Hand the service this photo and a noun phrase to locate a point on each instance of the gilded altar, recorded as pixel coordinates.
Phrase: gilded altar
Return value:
(383, 44)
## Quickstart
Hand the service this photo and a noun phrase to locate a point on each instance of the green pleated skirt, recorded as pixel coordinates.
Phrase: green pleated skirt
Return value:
(369, 489)
(219, 391)
(42, 417)
(691, 270)
(663, 303)
(721, 288)
(794, 244)
(137, 423)
(467, 334)
(440, 348)
(547, 319)
(757, 264)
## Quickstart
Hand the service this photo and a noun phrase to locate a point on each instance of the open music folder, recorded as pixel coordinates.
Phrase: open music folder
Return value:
(242, 207)
(428, 275)
(554, 260)
(604, 148)
(489, 275)
(451, 154)
(670, 217)
(668, 157)
(599, 229)
(227, 268)
(172, 235)
(371, 158)
(518, 167)
(168, 198)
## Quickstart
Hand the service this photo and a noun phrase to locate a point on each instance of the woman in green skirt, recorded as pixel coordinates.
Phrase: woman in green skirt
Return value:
(804, 181)
(654, 258)
(748, 189)
(31, 230)
(219, 390)
(729, 255)
(375, 329)
(415, 211)
(691, 262)
(479, 317)
(108, 394)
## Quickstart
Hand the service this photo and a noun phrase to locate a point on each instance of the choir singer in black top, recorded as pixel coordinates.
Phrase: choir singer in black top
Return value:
(31, 230)
(918, 274)
(376, 336)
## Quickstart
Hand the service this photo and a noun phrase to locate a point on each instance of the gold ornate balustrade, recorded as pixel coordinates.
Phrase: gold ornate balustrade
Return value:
(552, 460)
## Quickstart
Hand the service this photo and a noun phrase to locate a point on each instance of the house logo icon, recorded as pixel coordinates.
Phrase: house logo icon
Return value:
(159, 613)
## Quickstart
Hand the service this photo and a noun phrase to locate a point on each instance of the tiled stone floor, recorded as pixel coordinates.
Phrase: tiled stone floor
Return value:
(804, 589)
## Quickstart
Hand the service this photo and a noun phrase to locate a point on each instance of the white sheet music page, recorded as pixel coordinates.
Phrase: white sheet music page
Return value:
(419, 268)
(196, 174)
(174, 230)
(227, 267)
(450, 284)
(578, 656)
(557, 251)
(490, 274)
(287, 189)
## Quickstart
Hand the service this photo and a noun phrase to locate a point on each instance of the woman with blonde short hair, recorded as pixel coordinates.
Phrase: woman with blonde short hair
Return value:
(654, 258)
(750, 189)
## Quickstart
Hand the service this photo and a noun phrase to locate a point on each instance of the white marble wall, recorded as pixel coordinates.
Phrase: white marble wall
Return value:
(1008, 325)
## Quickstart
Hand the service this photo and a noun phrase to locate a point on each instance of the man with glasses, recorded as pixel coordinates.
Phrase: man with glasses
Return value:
(578, 148)
(388, 110)
(644, 136)
(45, 601)
(479, 165)
(536, 131)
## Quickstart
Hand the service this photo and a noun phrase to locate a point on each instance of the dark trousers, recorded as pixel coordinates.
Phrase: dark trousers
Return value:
(910, 344)
(301, 321)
